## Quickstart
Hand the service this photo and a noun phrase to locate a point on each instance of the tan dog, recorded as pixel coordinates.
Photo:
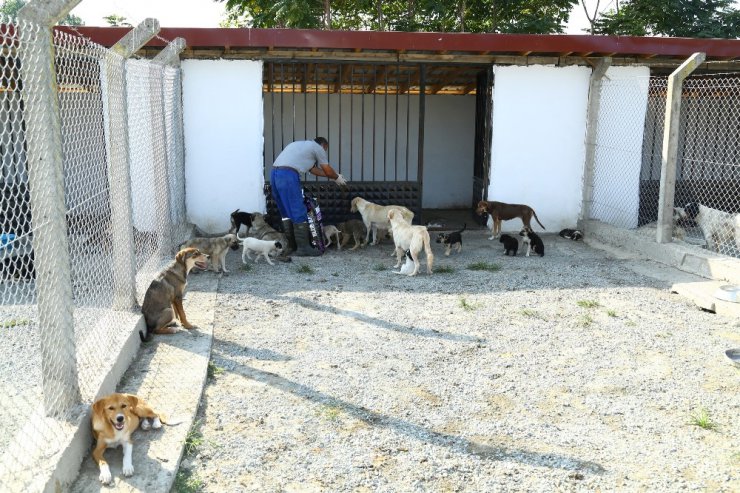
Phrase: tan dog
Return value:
(352, 229)
(216, 248)
(331, 231)
(114, 419)
(376, 216)
(412, 238)
(163, 299)
(501, 211)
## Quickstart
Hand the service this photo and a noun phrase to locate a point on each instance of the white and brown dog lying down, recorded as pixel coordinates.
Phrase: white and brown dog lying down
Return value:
(412, 238)
(375, 216)
(114, 420)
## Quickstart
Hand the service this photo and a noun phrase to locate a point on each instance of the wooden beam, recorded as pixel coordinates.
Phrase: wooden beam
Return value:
(410, 81)
(449, 77)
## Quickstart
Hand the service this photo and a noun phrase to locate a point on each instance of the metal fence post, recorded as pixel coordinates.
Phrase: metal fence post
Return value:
(119, 165)
(168, 56)
(670, 146)
(594, 106)
(46, 180)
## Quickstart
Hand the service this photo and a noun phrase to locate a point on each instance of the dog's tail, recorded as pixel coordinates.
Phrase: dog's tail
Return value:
(465, 225)
(242, 238)
(537, 219)
(145, 337)
(166, 420)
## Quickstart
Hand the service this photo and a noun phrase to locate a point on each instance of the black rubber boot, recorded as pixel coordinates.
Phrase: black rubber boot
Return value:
(303, 241)
(290, 236)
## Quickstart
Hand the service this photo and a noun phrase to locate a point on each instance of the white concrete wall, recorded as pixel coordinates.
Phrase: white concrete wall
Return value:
(223, 122)
(618, 158)
(539, 125)
(448, 138)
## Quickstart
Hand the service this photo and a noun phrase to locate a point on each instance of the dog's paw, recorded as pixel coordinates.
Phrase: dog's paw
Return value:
(156, 423)
(145, 424)
(105, 475)
(128, 470)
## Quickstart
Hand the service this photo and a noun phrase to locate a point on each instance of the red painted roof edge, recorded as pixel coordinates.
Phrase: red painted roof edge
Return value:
(434, 42)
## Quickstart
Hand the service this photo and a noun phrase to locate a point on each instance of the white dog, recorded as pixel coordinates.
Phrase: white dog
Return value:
(330, 231)
(719, 228)
(263, 248)
(376, 216)
(412, 238)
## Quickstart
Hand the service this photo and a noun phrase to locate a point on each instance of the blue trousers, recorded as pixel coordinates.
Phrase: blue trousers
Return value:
(288, 194)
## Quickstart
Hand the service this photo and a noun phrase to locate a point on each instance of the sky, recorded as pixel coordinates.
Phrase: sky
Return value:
(208, 13)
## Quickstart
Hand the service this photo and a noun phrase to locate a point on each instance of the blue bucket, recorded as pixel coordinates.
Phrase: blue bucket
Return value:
(6, 241)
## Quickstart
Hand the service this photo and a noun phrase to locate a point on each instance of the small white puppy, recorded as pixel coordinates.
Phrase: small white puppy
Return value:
(330, 231)
(261, 248)
(408, 267)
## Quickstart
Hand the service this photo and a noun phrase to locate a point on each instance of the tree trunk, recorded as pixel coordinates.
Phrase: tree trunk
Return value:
(379, 5)
(462, 16)
(327, 14)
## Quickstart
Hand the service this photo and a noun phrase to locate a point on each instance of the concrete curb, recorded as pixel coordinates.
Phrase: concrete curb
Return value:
(169, 373)
(677, 254)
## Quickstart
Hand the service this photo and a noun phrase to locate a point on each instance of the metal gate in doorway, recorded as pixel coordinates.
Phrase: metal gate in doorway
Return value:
(372, 114)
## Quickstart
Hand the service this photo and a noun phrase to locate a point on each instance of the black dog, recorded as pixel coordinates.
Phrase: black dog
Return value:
(511, 244)
(533, 241)
(238, 218)
(18, 267)
(571, 234)
(451, 239)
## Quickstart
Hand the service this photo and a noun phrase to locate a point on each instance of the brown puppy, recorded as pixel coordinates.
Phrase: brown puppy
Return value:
(114, 419)
(501, 211)
(163, 299)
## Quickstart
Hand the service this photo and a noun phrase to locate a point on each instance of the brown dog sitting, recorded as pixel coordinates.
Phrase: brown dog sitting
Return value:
(501, 211)
(163, 299)
(114, 419)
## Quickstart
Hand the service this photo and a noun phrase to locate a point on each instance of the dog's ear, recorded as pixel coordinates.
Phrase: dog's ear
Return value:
(132, 401)
(278, 245)
(180, 257)
(99, 406)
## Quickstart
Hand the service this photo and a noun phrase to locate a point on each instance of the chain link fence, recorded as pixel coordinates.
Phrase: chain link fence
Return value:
(628, 158)
(91, 207)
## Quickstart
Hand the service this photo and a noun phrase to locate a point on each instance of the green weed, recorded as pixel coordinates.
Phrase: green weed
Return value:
(305, 269)
(701, 418)
(484, 266)
(588, 303)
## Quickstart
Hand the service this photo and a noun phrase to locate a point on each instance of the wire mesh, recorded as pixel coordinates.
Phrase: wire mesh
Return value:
(708, 171)
(628, 158)
(68, 294)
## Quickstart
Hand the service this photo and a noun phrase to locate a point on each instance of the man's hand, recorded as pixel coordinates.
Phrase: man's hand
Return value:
(339, 180)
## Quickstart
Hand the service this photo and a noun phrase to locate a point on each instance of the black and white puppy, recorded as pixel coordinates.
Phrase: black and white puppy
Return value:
(263, 248)
(533, 241)
(450, 240)
(571, 234)
(511, 244)
(721, 229)
(408, 266)
(238, 218)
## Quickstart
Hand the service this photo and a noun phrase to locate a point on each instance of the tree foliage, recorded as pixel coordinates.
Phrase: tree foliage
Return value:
(10, 9)
(677, 18)
(491, 16)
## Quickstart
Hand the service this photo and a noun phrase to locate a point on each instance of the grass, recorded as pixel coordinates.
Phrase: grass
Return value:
(335, 274)
(194, 439)
(330, 413)
(444, 269)
(528, 312)
(611, 313)
(213, 370)
(187, 481)
(588, 303)
(305, 269)
(735, 457)
(487, 266)
(246, 268)
(630, 323)
(379, 267)
(468, 306)
(586, 320)
(15, 322)
(701, 418)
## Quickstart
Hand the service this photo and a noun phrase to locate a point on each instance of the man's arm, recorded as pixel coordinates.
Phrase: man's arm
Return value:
(324, 170)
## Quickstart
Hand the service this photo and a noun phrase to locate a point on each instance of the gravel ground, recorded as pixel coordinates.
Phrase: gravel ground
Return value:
(572, 372)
